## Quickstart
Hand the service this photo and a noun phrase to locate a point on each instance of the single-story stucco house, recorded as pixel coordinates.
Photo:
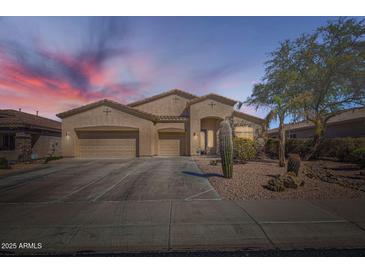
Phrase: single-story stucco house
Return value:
(170, 124)
(28, 136)
(347, 123)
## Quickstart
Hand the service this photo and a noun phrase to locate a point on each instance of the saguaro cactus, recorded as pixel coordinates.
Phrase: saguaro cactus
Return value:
(226, 148)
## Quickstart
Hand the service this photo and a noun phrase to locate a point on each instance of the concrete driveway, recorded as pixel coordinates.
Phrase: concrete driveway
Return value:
(158, 205)
(75, 180)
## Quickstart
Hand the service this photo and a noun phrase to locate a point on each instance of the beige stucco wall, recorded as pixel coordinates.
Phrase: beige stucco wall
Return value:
(96, 117)
(202, 110)
(165, 106)
(43, 146)
(238, 121)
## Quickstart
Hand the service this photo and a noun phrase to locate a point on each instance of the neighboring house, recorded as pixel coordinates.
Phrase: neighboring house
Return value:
(27, 135)
(347, 123)
(171, 123)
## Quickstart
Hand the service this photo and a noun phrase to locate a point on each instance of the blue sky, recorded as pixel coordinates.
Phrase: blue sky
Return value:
(52, 64)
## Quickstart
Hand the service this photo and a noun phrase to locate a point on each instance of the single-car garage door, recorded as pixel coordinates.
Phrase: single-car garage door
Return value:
(171, 144)
(104, 144)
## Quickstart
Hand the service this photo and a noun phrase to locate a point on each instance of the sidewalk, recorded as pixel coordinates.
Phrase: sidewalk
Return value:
(172, 226)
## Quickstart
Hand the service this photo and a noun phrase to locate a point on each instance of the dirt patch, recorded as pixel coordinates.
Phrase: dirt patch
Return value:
(248, 181)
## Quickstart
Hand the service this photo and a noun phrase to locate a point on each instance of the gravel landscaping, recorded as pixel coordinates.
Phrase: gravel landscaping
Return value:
(248, 181)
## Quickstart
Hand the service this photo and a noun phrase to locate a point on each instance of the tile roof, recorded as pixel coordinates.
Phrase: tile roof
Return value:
(112, 104)
(169, 118)
(342, 116)
(248, 117)
(15, 118)
(163, 118)
(163, 94)
(215, 97)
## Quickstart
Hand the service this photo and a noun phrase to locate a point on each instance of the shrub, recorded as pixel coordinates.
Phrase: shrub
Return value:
(298, 146)
(244, 149)
(213, 162)
(52, 158)
(4, 163)
(339, 148)
(358, 156)
(272, 147)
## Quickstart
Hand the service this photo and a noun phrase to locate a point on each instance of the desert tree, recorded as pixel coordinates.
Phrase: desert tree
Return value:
(276, 90)
(330, 65)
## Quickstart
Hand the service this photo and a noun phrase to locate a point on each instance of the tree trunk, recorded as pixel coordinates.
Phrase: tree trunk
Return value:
(281, 142)
(319, 129)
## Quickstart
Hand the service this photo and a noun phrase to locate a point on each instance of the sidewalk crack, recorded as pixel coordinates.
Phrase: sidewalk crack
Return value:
(259, 225)
(169, 230)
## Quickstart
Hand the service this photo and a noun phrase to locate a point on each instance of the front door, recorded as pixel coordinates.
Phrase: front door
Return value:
(207, 141)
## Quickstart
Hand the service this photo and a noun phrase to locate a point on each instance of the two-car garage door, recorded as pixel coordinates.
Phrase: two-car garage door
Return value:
(108, 144)
(124, 144)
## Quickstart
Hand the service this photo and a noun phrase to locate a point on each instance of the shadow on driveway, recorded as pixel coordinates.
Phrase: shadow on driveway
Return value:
(204, 175)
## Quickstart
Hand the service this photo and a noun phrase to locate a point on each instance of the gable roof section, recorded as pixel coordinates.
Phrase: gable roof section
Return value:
(178, 92)
(15, 118)
(111, 104)
(215, 97)
(248, 117)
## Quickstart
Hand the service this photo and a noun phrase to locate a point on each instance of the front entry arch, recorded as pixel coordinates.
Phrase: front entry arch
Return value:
(209, 135)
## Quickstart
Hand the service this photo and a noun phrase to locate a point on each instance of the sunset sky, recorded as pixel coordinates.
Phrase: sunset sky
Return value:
(52, 64)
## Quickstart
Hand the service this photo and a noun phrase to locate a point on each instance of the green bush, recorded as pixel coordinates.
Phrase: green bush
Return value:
(358, 156)
(298, 146)
(52, 158)
(244, 149)
(4, 163)
(339, 148)
(272, 147)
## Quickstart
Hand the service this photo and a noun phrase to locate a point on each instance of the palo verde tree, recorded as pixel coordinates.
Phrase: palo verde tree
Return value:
(330, 64)
(276, 91)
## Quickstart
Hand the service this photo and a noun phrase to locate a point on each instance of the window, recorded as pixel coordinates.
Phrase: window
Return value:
(7, 141)
(292, 136)
(244, 132)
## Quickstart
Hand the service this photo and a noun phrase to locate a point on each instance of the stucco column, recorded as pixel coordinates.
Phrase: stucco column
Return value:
(194, 136)
(146, 135)
(68, 141)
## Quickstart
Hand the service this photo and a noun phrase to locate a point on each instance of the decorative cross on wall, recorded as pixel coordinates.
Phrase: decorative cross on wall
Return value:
(212, 104)
(176, 99)
(107, 111)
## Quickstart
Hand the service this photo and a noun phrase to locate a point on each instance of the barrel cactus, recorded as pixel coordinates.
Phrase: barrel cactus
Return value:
(294, 164)
(226, 148)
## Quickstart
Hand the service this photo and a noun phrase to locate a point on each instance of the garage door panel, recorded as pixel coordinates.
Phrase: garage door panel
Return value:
(171, 144)
(107, 145)
(169, 147)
